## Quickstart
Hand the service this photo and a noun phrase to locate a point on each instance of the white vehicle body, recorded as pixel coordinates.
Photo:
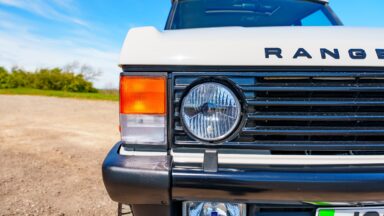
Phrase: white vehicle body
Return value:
(270, 104)
(238, 46)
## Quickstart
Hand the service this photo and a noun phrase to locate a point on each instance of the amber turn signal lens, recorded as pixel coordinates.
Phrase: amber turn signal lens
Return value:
(142, 95)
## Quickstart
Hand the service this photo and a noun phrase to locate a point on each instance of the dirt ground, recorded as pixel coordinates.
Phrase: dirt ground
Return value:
(51, 151)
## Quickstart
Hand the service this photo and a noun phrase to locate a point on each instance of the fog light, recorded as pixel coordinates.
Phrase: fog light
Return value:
(213, 209)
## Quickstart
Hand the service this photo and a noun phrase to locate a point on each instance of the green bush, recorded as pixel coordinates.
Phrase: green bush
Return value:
(4, 78)
(45, 79)
(19, 79)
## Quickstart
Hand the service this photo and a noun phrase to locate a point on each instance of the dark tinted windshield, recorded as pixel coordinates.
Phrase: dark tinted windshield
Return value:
(250, 13)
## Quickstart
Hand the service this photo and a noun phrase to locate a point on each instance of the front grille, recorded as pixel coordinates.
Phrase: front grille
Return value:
(300, 111)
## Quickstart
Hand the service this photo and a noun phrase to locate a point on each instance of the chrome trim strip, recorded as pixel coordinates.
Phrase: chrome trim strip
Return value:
(253, 159)
(126, 152)
(258, 159)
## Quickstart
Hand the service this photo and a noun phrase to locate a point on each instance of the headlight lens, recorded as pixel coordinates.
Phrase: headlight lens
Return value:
(210, 111)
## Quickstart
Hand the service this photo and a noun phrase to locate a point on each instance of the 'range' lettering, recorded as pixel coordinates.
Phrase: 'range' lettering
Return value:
(302, 53)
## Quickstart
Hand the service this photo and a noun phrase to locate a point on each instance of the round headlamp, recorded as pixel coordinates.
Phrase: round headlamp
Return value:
(210, 111)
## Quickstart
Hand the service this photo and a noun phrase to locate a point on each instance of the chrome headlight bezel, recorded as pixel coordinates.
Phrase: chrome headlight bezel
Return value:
(237, 95)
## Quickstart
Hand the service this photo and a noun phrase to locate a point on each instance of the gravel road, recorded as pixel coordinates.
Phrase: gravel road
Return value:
(51, 150)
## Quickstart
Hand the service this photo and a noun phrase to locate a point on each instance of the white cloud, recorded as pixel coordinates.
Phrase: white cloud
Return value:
(31, 53)
(69, 5)
(54, 10)
(19, 46)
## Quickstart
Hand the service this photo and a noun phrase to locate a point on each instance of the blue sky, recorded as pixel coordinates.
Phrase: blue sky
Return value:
(48, 33)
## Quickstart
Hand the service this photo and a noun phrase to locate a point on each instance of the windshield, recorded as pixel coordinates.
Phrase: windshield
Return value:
(250, 13)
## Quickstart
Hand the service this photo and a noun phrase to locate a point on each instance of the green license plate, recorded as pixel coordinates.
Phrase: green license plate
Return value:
(368, 211)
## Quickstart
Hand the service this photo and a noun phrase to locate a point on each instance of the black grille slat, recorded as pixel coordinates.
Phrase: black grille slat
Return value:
(294, 111)
(377, 74)
(291, 143)
(278, 87)
(324, 131)
(316, 102)
(295, 146)
(311, 116)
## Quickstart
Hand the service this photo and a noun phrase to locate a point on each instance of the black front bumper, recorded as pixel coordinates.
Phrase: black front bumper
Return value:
(137, 180)
(310, 184)
(154, 180)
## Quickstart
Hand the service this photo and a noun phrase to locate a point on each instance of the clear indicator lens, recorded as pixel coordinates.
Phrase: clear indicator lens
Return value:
(143, 129)
(210, 111)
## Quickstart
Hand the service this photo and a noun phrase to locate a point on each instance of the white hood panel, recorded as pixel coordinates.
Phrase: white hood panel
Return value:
(237, 46)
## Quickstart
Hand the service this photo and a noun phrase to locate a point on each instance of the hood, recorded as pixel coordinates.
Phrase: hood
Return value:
(261, 46)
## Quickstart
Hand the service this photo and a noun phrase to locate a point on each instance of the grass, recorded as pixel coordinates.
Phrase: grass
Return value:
(109, 95)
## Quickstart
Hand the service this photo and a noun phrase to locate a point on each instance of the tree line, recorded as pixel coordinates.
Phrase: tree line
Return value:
(61, 79)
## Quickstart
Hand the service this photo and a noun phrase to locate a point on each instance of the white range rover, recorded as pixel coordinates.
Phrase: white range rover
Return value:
(250, 108)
